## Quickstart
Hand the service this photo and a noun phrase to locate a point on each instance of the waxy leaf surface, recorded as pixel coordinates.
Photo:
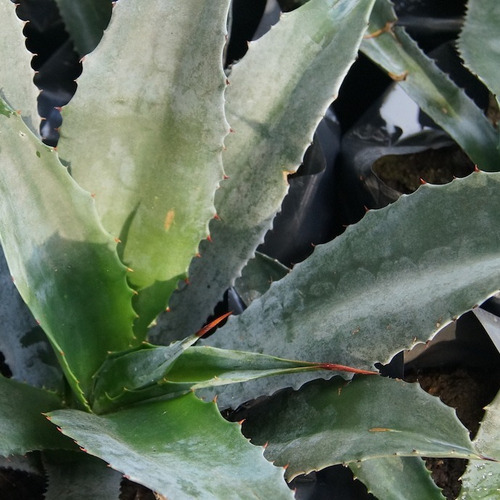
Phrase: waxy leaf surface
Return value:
(388, 282)
(154, 372)
(181, 448)
(16, 76)
(481, 480)
(277, 95)
(62, 261)
(479, 42)
(334, 422)
(23, 428)
(144, 133)
(394, 478)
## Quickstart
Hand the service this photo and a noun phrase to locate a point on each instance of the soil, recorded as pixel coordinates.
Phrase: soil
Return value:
(405, 173)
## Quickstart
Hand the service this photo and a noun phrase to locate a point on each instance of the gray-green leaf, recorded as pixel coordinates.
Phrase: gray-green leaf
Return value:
(16, 76)
(336, 422)
(145, 134)
(62, 261)
(430, 88)
(397, 478)
(479, 42)
(85, 21)
(181, 448)
(481, 480)
(391, 280)
(277, 95)
(23, 428)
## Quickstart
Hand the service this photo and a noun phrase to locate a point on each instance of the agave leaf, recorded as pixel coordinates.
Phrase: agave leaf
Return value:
(393, 478)
(16, 76)
(392, 49)
(22, 425)
(145, 132)
(153, 372)
(62, 261)
(73, 475)
(204, 455)
(85, 21)
(277, 95)
(479, 42)
(257, 276)
(26, 349)
(336, 422)
(481, 479)
(390, 281)
(124, 376)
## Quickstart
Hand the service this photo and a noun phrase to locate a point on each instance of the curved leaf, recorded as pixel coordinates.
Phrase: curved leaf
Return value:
(145, 133)
(181, 448)
(482, 479)
(448, 105)
(154, 372)
(85, 21)
(22, 425)
(479, 42)
(257, 276)
(388, 282)
(62, 261)
(367, 418)
(394, 478)
(277, 95)
(73, 476)
(26, 349)
(16, 76)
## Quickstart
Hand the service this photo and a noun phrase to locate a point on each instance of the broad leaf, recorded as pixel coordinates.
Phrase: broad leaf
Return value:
(257, 276)
(85, 21)
(145, 133)
(62, 261)
(16, 76)
(181, 448)
(482, 479)
(23, 428)
(394, 478)
(336, 422)
(388, 282)
(391, 48)
(479, 42)
(277, 95)
(26, 349)
(73, 476)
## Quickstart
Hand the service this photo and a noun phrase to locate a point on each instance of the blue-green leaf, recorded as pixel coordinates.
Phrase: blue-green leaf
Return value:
(181, 448)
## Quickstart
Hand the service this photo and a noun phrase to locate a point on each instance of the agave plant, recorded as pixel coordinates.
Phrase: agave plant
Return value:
(167, 175)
